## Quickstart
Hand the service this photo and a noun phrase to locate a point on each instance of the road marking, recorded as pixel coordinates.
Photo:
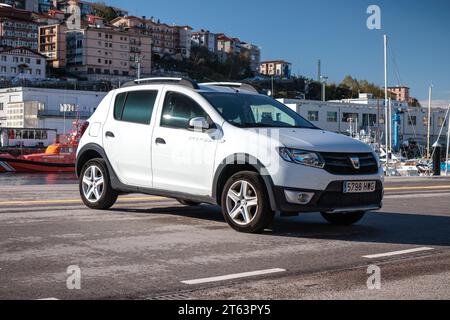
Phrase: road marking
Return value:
(417, 188)
(75, 201)
(398, 253)
(418, 195)
(48, 299)
(234, 276)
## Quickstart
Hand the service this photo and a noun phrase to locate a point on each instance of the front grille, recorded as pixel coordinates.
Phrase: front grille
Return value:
(340, 163)
(342, 200)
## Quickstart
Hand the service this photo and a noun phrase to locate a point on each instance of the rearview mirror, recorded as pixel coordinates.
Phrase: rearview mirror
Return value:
(199, 124)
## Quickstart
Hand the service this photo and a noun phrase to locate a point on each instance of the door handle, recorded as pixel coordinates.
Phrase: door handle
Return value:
(109, 134)
(160, 141)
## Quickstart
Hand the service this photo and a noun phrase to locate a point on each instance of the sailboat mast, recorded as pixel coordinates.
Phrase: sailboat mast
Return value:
(430, 97)
(386, 102)
(448, 143)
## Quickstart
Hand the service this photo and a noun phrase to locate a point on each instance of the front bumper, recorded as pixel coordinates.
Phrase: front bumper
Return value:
(332, 199)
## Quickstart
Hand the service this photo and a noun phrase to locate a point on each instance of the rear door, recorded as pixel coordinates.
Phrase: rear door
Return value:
(127, 135)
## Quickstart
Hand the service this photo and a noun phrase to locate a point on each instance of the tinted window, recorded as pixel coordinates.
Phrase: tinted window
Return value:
(254, 111)
(135, 106)
(179, 109)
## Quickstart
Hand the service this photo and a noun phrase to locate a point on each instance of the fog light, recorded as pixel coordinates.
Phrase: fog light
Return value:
(302, 198)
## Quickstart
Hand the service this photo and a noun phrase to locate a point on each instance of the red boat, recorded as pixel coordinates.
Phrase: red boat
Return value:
(59, 157)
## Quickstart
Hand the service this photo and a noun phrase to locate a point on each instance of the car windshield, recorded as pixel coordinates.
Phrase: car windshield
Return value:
(255, 111)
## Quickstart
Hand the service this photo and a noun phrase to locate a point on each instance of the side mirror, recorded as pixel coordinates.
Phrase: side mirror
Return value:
(199, 124)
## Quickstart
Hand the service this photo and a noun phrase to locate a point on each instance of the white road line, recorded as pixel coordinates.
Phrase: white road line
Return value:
(234, 276)
(398, 253)
(48, 299)
(423, 195)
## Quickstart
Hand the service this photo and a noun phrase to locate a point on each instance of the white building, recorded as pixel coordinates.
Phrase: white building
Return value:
(22, 63)
(46, 108)
(205, 39)
(344, 117)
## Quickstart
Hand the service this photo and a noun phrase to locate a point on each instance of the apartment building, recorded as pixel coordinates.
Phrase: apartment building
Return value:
(253, 54)
(205, 39)
(106, 52)
(52, 44)
(174, 41)
(29, 5)
(227, 46)
(276, 68)
(21, 62)
(401, 93)
(17, 29)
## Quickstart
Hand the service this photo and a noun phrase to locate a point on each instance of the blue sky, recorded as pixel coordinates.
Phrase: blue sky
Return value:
(333, 30)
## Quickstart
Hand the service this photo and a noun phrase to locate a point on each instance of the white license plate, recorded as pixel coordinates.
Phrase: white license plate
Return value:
(360, 187)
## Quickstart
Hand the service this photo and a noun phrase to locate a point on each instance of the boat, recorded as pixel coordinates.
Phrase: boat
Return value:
(59, 157)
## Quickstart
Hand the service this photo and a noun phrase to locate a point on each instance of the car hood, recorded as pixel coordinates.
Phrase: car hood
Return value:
(321, 141)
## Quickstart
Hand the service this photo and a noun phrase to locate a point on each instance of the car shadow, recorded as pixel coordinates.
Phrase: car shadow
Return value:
(376, 227)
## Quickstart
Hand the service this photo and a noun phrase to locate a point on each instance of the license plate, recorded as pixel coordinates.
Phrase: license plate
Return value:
(360, 187)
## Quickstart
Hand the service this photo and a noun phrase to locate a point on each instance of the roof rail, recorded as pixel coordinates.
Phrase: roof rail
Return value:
(163, 80)
(240, 85)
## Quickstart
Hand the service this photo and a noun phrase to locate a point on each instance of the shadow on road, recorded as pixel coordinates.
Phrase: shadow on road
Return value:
(384, 227)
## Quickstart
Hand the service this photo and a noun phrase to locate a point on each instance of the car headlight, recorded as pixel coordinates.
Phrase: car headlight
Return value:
(306, 158)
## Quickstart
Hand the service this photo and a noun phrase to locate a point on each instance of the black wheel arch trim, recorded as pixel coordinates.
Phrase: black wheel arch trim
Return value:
(245, 159)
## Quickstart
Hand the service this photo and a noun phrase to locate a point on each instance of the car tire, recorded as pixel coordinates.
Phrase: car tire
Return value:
(245, 203)
(95, 186)
(344, 218)
(188, 203)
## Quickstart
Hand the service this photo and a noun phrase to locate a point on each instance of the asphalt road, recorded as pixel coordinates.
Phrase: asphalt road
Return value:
(153, 248)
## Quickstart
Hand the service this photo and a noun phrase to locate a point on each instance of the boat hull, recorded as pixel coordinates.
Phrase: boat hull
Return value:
(28, 166)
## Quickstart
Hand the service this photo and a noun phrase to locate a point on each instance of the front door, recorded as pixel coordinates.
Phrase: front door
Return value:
(183, 159)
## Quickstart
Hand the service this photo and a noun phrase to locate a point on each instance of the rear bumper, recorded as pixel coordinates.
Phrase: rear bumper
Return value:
(332, 200)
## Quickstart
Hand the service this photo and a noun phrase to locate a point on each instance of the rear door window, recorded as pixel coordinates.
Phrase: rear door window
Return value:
(135, 106)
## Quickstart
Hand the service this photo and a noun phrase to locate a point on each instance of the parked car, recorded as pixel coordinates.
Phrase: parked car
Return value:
(223, 144)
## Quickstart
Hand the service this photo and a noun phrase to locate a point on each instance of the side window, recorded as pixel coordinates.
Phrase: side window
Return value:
(178, 109)
(135, 106)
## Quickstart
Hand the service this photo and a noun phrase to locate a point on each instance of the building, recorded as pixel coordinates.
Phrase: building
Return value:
(401, 93)
(35, 108)
(276, 68)
(227, 47)
(17, 29)
(205, 39)
(22, 63)
(29, 5)
(368, 114)
(103, 52)
(174, 41)
(253, 54)
(52, 44)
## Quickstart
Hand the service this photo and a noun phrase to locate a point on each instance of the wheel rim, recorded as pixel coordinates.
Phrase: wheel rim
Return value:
(93, 184)
(242, 203)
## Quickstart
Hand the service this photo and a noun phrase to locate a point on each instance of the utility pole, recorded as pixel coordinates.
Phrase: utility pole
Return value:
(319, 70)
(430, 97)
(323, 80)
(273, 87)
(386, 103)
(138, 61)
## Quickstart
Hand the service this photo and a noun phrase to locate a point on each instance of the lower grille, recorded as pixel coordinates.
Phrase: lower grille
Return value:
(342, 200)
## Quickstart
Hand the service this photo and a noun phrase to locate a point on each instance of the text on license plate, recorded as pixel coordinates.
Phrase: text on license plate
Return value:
(360, 186)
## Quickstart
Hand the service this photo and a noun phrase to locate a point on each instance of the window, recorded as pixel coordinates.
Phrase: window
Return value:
(179, 109)
(412, 120)
(254, 111)
(313, 116)
(350, 117)
(3, 58)
(332, 116)
(1, 106)
(135, 106)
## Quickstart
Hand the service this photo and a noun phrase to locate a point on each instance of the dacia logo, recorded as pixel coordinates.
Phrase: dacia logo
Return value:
(355, 162)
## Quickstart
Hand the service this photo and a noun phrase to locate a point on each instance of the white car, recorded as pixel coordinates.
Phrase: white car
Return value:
(223, 144)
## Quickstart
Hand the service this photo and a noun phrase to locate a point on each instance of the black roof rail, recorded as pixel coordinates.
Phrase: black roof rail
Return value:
(239, 85)
(163, 80)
